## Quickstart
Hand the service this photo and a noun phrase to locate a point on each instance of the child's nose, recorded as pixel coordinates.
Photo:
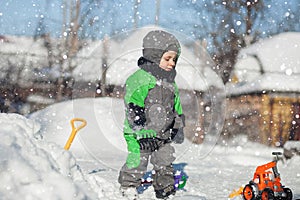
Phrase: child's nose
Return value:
(172, 63)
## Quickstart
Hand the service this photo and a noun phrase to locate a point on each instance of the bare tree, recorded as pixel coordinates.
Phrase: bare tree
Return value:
(157, 11)
(224, 24)
(231, 25)
(135, 13)
(230, 35)
(77, 18)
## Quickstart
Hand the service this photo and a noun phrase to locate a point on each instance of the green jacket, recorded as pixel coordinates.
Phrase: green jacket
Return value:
(151, 108)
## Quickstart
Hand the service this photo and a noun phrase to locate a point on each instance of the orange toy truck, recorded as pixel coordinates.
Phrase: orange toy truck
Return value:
(266, 183)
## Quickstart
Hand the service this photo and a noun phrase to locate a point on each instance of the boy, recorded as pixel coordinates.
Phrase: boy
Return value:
(154, 116)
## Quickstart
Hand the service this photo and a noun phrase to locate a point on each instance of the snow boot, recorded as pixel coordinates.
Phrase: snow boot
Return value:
(165, 192)
(129, 192)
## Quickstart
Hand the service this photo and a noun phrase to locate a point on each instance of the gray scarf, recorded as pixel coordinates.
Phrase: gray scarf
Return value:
(156, 71)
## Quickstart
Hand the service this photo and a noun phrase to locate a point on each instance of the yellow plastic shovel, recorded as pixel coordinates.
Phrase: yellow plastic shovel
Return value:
(74, 131)
(235, 193)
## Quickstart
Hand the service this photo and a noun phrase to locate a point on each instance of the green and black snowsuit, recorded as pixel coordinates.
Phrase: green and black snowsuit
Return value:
(153, 115)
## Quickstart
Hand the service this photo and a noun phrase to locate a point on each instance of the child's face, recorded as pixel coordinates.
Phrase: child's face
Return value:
(168, 61)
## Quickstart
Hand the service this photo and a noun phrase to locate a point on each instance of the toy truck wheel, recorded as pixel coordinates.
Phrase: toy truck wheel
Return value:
(249, 192)
(289, 194)
(267, 194)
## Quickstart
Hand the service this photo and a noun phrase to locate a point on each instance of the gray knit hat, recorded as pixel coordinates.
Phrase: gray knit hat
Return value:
(157, 42)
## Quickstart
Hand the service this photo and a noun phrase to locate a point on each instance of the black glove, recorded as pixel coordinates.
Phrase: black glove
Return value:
(177, 135)
(149, 144)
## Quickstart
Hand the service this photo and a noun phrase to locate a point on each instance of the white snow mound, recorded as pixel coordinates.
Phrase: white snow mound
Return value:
(33, 169)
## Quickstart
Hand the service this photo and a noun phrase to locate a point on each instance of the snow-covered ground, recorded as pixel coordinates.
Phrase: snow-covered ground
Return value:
(34, 164)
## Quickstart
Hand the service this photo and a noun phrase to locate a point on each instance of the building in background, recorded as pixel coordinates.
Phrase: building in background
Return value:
(264, 93)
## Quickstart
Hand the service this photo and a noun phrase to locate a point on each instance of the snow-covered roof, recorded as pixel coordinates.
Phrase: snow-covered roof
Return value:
(23, 45)
(21, 57)
(122, 62)
(272, 64)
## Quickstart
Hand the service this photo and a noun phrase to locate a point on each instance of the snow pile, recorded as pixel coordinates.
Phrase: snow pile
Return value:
(291, 148)
(292, 145)
(32, 168)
